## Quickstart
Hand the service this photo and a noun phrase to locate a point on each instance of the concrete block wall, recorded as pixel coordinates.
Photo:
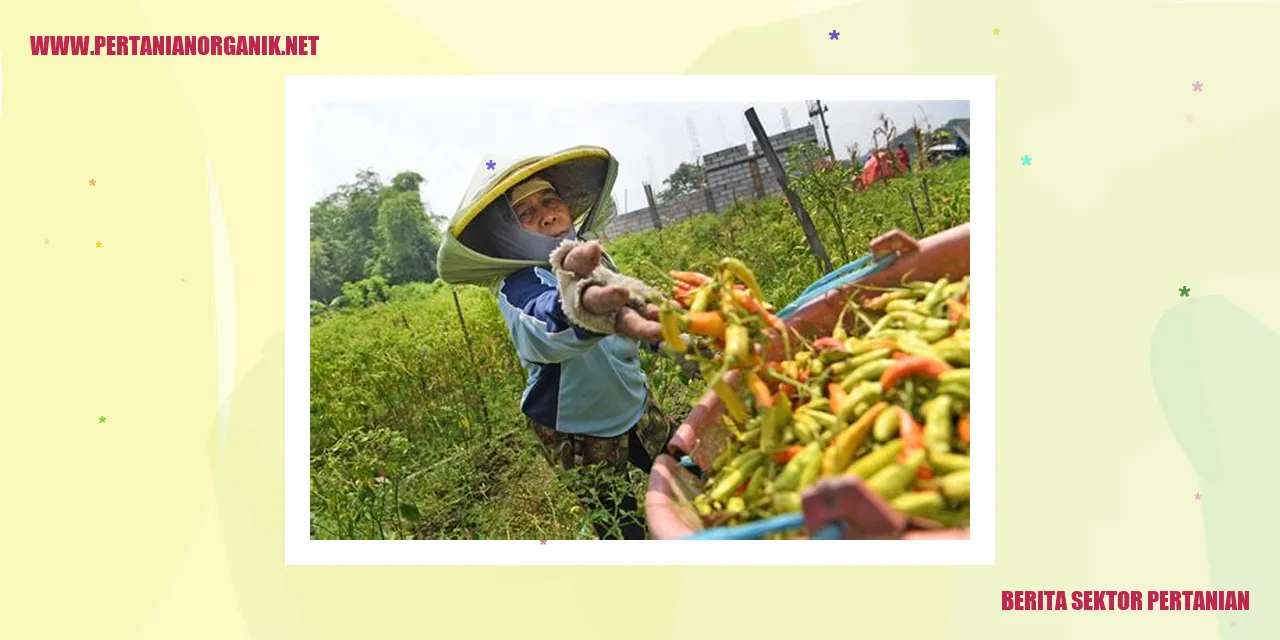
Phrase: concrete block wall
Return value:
(729, 177)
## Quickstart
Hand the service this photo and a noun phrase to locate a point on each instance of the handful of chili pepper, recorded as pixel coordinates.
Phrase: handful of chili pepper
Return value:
(886, 399)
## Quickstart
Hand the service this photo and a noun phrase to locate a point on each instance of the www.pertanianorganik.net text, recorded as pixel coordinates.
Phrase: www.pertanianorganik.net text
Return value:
(174, 45)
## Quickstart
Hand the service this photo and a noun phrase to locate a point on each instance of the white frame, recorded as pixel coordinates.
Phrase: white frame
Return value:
(303, 92)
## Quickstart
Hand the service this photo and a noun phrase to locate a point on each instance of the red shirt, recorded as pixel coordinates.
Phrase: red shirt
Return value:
(906, 160)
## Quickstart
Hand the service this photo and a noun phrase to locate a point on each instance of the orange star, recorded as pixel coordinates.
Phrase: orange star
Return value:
(92, 182)
(99, 244)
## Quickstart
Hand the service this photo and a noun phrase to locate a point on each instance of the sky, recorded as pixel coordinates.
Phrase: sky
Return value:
(448, 143)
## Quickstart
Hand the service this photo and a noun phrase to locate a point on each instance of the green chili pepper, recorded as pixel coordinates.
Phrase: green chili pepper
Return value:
(751, 437)
(878, 459)
(958, 376)
(916, 346)
(891, 481)
(823, 418)
(907, 304)
(723, 459)
(789, 479)
(955, 486)
(948, 462)
(868, 371)
(833, 356)
(932, 298)
(866, 393)
(886, 426)
(937, 427)
(786, 501)
(953, 389)
(918, 503)
(755, 486)
(812, 469)
(746, 464)
(735, 505)
(867, 356)
(771, 430)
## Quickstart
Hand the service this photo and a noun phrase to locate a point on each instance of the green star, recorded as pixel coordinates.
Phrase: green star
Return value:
(102, 419)
(1184, 291)
(995, 32)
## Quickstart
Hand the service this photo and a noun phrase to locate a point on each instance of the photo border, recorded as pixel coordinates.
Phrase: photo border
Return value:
(302, 93)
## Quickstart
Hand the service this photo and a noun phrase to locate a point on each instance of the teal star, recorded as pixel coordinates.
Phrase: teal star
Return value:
(1184, 291)
(1026, 161)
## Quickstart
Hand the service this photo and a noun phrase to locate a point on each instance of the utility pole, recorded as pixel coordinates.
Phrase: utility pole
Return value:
(816, 108)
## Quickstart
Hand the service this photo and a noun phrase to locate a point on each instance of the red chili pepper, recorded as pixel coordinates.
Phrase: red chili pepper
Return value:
(691, 277)
(912, 366)
(785, 456)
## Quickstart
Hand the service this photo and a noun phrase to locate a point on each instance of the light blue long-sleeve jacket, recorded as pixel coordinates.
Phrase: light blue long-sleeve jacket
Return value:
(579, 382)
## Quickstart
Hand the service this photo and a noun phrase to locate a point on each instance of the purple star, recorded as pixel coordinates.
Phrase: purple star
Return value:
(1197, 496)
(491, 164)
(835, 35)
(1195, 86)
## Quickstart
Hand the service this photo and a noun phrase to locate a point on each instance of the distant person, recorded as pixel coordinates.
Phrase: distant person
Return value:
(586, 398)
(904, 157)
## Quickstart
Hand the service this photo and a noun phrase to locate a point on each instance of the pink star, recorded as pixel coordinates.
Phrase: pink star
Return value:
(542, 541)
(1197, 496)
(1196, 85)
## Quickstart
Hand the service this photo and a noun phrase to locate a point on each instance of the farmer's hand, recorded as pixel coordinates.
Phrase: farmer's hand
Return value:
(583, 259)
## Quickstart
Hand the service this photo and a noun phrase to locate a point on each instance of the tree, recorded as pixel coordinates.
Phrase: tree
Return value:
(408, 240)
(687, 178)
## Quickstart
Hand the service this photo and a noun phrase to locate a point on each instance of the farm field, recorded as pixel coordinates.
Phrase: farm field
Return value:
(416, 431)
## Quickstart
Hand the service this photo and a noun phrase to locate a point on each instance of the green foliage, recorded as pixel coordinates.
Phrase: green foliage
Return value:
(395, 387)
(687, 178)
(365, 229)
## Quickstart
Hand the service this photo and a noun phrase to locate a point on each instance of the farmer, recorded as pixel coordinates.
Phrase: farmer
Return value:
(586, 398)
(904, 157)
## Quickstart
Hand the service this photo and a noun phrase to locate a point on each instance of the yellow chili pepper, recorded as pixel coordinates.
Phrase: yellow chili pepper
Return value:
(737, 344)
(732, 403)
(671, 329)
(735, 266)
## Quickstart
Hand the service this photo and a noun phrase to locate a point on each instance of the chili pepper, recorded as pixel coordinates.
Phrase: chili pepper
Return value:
(691, 277)
(732, 403)
(932, 298)
(905, 304)
(750, 437)
(760, 390)
(918, 503)
(812, 469)
(805, 431)
(937, 426)
(924, 473)
(893, 481)
(915, 346)
(953, 389)
(877, 459)
(737, 475)
(701, 299)
(868, 392)
(957, 309)
(962, 427)
(671, 330)
(883, 299)
(785, 456)
(869, 371)
(786, 502)
(735, 267)
(737, 345)
(707, 323)
(826, 342)
(771, 428)
(836, 395)
(886, 426)
(934, 335)
(914, 366)
(948, 462)
(832, 356)
(755, 486)
(957, 376)
(789, 479)
(955, 486)
(849, 440)
(725, 456)
(912, 438)
(870, 356)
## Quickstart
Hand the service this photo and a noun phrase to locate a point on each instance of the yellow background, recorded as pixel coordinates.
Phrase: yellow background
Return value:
(1117, 399)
